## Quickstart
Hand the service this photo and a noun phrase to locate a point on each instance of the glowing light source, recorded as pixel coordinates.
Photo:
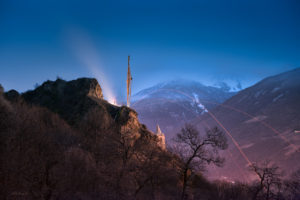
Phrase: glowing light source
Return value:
(88, 55)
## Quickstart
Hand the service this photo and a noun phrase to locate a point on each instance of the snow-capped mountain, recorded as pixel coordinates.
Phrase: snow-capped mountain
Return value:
(171, 104)
(229, 85)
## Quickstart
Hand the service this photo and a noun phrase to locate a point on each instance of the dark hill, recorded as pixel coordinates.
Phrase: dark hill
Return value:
(64, 141)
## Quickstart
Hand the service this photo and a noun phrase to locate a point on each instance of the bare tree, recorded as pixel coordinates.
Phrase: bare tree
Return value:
(195, 151)
(269, 180)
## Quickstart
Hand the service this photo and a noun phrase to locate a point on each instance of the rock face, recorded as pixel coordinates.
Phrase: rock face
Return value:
(71, 100)
(80, 99)
(262, 119)
(12, 95)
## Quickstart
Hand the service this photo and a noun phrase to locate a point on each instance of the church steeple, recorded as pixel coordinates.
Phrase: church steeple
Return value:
(158, 131)
(161, 137)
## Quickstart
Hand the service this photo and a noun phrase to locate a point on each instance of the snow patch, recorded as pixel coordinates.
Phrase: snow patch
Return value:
(258, 93)
(256, 119)
(228, 85)
(247, 146)
(276, 98)
(196, 99)
(275, 89)
(241, 99)
(199, 105)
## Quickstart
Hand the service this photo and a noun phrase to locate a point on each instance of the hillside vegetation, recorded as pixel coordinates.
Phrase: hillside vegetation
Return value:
(63, 141)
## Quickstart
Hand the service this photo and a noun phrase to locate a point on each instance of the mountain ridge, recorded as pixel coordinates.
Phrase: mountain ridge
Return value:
(262, 119)
(177, 101)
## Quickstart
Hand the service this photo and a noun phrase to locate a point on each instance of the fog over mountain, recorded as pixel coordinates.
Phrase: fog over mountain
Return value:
(172, 104)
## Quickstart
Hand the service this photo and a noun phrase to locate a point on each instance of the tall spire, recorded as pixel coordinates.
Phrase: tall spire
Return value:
(161, 137)
(129, 80)
(158, 131)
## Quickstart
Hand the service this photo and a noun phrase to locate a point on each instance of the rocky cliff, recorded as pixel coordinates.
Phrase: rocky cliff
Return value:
(75, 101)
(70, 99)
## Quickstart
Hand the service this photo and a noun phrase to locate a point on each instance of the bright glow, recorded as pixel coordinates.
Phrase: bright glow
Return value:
(114, 102)
(86, 52)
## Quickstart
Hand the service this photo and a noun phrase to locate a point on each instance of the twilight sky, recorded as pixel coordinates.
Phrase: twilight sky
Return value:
(203, 40)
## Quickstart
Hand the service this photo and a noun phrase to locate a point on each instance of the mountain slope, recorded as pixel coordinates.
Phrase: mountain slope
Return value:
(262, 119)
(174, 103)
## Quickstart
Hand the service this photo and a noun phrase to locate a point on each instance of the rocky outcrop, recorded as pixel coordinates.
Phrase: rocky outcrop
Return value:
(72, 100)
(12, 95)
(82, 99)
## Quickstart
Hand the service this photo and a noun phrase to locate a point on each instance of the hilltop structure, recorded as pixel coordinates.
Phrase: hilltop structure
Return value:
(128, 82)
(161, 137)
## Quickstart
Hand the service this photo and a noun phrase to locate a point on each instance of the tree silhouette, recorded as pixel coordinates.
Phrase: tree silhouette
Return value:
(269, 180)
(195, 151)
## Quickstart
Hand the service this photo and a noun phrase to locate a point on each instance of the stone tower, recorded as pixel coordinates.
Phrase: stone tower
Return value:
(161, 137)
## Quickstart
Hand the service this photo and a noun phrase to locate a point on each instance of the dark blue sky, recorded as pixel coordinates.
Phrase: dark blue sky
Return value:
(204, 40)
